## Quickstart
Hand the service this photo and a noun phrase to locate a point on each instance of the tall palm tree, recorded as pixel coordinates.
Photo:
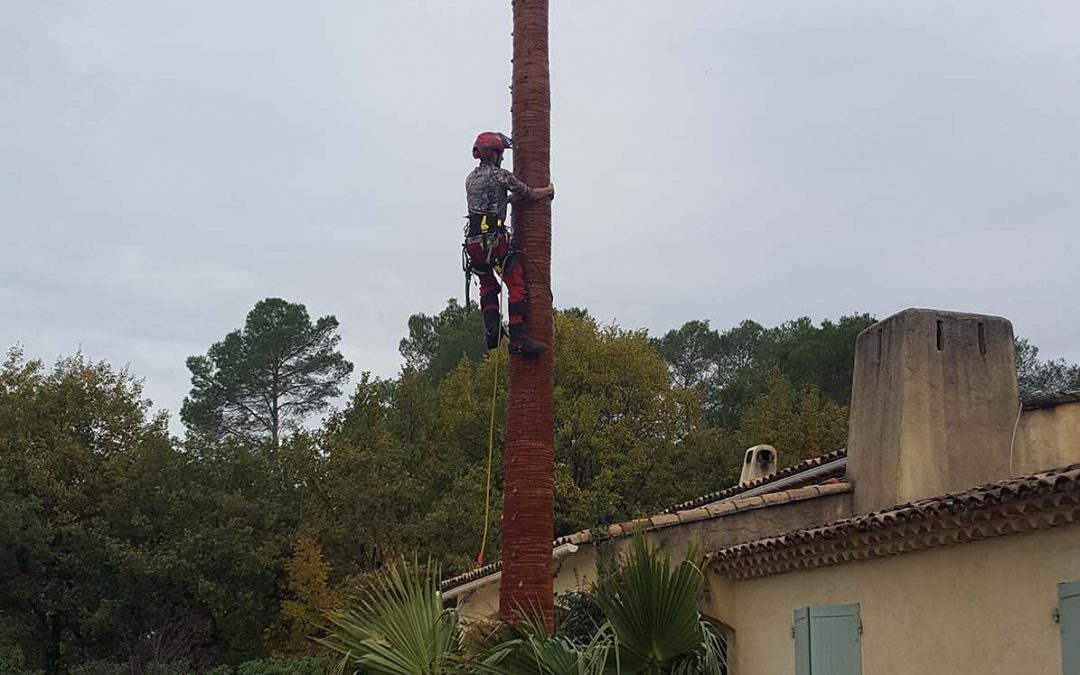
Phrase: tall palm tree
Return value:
(528, 497)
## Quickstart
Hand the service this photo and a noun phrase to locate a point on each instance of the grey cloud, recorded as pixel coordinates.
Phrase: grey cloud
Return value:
(165, 165)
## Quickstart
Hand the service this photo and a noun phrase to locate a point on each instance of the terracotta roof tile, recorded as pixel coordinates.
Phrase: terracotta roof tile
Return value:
(739, 489)
(776, 497)
(693, 515)
(692, 511)
(1065, 479)
(664, 519)
(1051, 400)
(721, 509)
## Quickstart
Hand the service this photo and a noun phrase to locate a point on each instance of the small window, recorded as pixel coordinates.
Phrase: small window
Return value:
(828, 640)
(1069, 621)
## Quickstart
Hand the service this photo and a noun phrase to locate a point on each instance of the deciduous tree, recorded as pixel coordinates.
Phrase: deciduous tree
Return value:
(1035, 376)
(436, 344)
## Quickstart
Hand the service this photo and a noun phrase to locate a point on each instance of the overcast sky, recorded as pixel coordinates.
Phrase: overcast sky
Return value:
(166, 164)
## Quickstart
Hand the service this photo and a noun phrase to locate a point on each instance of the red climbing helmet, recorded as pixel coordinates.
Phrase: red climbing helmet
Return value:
(490, 145)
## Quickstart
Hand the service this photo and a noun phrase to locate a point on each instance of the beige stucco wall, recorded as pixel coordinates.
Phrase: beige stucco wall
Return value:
(981, 608)
(578, 571)
(572, 573)
(1047, 438)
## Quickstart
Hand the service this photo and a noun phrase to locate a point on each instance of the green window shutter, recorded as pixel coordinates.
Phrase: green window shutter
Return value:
(834, 640)
(1069, 613)
(802, 641)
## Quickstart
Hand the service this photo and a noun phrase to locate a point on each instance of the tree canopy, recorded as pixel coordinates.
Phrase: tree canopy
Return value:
(266, 377)
(123, 549)
(730, 369)
(1035, 376)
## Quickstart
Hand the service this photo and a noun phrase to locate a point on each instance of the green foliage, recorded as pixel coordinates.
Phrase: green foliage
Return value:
(620, 425)
(397, 625)
(267, 377)
(310, 665)
(647, 623)
(122, 548)
(579, 617)
(309, 598)
(112, 668)
(691, 352)
(12, 659)
(1035, 376)
(437, 344)
(78, 507)
(652, 609)
(733, 368)
(532, 651)
(821, 356)
(800, 423)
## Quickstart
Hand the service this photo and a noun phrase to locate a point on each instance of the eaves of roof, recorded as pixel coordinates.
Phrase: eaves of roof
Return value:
(1022, 504)
(1052, 400)
(663, 520)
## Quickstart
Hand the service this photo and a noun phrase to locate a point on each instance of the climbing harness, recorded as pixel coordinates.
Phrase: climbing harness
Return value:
(480, 231)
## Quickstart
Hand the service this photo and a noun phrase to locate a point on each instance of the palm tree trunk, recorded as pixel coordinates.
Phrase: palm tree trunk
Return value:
(529, 499)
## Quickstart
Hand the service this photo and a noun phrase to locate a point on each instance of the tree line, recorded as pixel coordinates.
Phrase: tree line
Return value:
(126, 550)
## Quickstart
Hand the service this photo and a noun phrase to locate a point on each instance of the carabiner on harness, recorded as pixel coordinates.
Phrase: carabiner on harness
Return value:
(466, 266)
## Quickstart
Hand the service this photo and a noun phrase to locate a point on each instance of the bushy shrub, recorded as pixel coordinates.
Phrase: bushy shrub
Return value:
(579, 617)
(12, 660)
(311, 665)
(101, 668)
(118, 668)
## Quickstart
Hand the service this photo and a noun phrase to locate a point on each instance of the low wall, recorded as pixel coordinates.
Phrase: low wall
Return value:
(1048, 435)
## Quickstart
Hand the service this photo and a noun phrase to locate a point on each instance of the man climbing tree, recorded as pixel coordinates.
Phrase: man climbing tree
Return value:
(529, 496)
(487, 241)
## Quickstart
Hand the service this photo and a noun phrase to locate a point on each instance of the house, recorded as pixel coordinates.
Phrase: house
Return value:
(944, 539)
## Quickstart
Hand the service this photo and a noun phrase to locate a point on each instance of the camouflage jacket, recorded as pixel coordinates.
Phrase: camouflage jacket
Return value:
(486, 190)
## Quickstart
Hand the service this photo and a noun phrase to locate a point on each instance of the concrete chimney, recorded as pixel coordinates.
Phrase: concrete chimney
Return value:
(760, 461)
(933, 403)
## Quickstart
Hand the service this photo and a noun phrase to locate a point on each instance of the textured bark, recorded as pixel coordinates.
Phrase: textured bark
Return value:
(529, 499)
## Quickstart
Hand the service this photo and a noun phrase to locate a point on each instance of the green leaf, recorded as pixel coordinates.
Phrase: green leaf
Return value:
(397, 625)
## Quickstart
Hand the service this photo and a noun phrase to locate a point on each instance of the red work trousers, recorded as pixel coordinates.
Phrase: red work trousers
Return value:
(488, 257)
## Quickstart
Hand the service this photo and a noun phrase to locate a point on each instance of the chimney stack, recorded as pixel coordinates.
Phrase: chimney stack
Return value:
(933, 403)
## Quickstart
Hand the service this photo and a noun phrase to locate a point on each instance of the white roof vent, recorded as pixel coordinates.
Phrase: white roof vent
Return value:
(760, 461)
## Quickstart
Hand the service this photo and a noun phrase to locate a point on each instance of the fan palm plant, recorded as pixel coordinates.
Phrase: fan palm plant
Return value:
(651, 625)
(651, 608)
(531, 650)
(397, 626)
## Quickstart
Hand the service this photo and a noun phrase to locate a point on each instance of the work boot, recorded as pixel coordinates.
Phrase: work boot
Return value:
(521, 344)
(493, 330)
(494, 336)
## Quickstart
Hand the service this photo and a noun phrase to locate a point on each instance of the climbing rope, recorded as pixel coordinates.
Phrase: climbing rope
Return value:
(491, 458)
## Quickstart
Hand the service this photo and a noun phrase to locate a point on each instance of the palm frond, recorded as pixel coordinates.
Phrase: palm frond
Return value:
(397, 625)
(651, 606)
(532, 651)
